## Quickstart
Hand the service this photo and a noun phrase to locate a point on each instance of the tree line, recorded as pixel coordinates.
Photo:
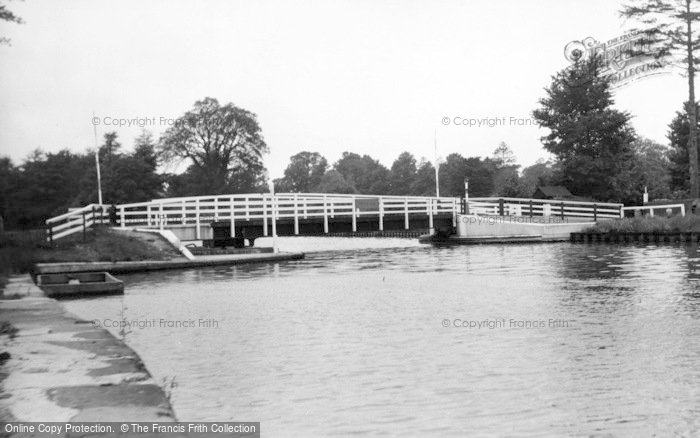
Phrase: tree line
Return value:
(595, 153)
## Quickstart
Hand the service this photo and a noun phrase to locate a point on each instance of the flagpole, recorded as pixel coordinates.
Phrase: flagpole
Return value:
(437, 165)
(97, 162)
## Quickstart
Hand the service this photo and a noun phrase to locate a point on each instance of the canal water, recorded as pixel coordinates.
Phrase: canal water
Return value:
(386, 337)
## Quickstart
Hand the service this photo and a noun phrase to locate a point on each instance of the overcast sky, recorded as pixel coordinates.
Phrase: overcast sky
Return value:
(372, 77)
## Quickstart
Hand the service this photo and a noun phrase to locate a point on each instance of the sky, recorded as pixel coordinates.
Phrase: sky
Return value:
(370, 77)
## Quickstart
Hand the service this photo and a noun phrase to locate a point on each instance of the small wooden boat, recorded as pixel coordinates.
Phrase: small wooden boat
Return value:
(92, 283)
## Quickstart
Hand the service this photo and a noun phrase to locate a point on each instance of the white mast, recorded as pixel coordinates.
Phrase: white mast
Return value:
(97, 161)
(437, 167)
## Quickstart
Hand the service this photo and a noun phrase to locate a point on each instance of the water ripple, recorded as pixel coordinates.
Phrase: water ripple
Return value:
(352, 341)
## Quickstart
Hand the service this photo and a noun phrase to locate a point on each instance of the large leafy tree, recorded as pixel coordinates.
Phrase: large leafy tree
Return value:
(679, 130)
(590, 138)
(303, 174)
(506, 176)
(223, 144)
(126, 177)
(671, 28)
(456, 168)
(8, 187)
(503, 155)
(650, 169)
(539, 174)
(139, 170)
(424, 182)
(334, 182)
(47, 184)
(403, 174)
(367, 175)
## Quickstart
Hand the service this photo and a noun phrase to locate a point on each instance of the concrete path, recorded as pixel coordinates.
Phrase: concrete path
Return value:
(63, 369)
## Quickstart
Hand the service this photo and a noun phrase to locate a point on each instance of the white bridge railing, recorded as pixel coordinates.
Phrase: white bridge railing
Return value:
(200, 210)
(544, 207)
(665, 208)
(75, 221)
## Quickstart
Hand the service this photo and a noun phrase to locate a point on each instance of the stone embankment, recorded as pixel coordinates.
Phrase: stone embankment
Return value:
(57, 367)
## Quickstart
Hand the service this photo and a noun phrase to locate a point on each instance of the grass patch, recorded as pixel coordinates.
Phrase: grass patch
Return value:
(18, 256)
(104, 245)
(647, 224)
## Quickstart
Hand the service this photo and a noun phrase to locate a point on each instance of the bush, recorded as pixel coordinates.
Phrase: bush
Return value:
(16, 254)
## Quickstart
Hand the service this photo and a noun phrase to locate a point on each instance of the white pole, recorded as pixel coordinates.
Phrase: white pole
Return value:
(274, 219)
(437, 167)
(97, 162)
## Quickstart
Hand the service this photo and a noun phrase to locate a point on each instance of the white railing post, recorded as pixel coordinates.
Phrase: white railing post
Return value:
(184, 212)
(148, 215)
(354, 214)
(162, 217)
(233, 219)
(296, 215)
(305, 213)
(247, 209)
(429, 207)
(274, 218)
(264, 200)
(325, 214)
(455, 211)
(381, 214)
(197, 232)
(121, 217)
(405, 208)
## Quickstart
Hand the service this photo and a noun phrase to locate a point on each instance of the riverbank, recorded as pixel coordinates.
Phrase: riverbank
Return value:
(157, 265)
(647, 224)
(57, 367)
(647, 229)
(20, 251)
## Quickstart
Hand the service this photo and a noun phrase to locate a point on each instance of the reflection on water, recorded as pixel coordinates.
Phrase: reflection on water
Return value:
(353, 342)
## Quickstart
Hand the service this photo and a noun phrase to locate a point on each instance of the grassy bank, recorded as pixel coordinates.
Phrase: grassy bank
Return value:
(646, 224)
(99, 245)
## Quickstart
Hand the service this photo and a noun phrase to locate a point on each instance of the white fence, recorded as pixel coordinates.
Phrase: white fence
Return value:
(75, 221)
(667, 208)
(544, 207)
(201, 210)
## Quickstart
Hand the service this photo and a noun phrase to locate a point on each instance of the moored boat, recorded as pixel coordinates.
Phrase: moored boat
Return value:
(80, 284)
